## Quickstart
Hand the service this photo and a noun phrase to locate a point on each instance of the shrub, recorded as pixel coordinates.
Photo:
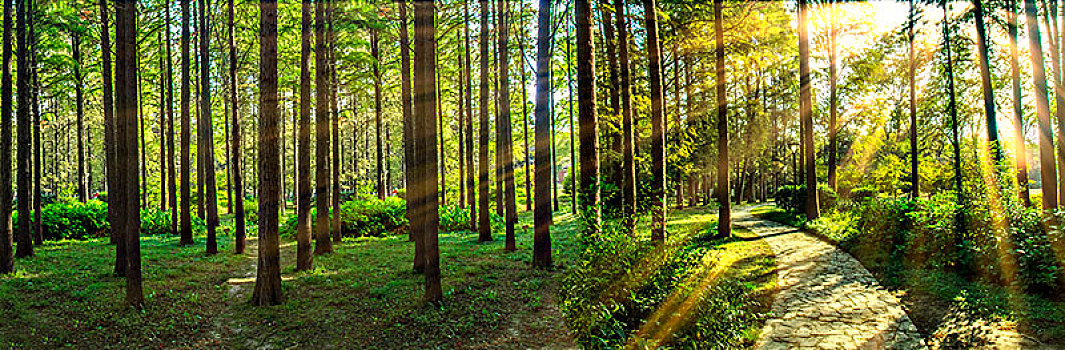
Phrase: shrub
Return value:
(367, 216)
(793, 197)
(251, 210)
(155, 221)
(74, 220)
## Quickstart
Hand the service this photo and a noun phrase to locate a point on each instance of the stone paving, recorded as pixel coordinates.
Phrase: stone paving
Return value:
(827, 300)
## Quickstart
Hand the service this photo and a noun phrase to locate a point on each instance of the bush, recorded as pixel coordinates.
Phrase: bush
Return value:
(74, 220)
(251, 211)
(367, 216)
(793, 197)
(155, 221)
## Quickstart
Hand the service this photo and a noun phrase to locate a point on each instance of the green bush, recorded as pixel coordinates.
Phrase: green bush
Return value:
(74, 220)
(793, 197)
(366, 216)
(155, 221)
(251, 211)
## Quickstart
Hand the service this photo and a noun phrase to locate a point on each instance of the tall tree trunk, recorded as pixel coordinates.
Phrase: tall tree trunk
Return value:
(813, 210)
(22, 233)
(1020, 146)
(323, 244)
(114, 211)
(126, 143)
(543, 216)
(270, 97)
(1050, 21)
(460, 128)
(378, 112)
(471, 180)
(589, 122)
(162, 128)
(952, 109)
(170, 162)
(409, 141)
(1042, 104)
(268, 274)
(335, 119)
(833, 95)
(425, 197)
(915, 177)
(505, 143)
(484, 225)
(628, 169)
(724, 218)
(79, 98)
(7, 257)
(658, 124)
(989, 92)
(525, 125)
(35, 111)
(206, 126)
(304, 258)
(572, 129)
(186, 129)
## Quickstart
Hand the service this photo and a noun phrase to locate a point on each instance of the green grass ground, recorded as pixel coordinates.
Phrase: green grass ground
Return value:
(362, 296)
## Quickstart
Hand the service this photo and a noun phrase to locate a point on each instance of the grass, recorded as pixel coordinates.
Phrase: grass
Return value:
(772, 213)
(693, 291)
(362, 296)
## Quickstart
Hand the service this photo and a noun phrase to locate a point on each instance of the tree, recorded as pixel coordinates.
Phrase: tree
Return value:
(589, 122)
(471, 180)
(915, 178)
(268, 273)
(985, 82)
(22, 119)
(1042, 107)
(724, 218)
(658, 124)
(170, 163)
(1021, 157)
(378, 111)
(335, 119)
(79, 101)
(833, 93)
(628, 168)
(304, 258)
(409, 140)
(206, 127)
(323, 244)
(543, 215)
(484, 226)
(126, 144)
(7, 253)
(805, 114)
(237, 178)
(424, 196)
(186, 131)
(505, 141)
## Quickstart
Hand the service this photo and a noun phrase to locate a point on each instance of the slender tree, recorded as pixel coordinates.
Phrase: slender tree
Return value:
(471, 180)
(186, 129)
(806, 113)
(985, 82)
(1021, 157)
(237, 178)
(268, 273)
(323, 244)
(543, 215)
(658, 123)
(1042, 107)
(206, 127)
(484, 226)
(7, 253)
(126, 143)
(833, 93)
(304, 258)
(171, 165)
(409, 140)
(589, 122)
(504, 142)
(628, 168)
(79, 102)
(724, 218)
(335, 119)
(375, 51)
(162, 127)
(22, 120)
(424, 196)
(915, 177)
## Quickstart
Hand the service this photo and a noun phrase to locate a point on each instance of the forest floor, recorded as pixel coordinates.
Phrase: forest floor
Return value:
(362, 296)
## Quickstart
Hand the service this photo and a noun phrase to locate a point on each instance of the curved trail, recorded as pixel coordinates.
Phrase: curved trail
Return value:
(827, 300)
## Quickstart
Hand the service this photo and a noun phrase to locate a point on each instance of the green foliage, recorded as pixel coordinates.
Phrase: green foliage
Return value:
(792, 198)
(362, 217)
(74, 220)
(155, 221)
(251, 211)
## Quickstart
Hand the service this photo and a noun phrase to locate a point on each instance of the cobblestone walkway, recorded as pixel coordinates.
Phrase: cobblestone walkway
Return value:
(827, 300)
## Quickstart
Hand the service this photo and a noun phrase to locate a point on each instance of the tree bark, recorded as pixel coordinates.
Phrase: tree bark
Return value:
(471, 180)
(335, 119)
(7, 253)
(378, 111)
(22, 233)
(628, 180)
(484, 225)
(724, 218)
(915, 177)
(126, 143)
(505, 143)
(304, 258)
(206, 127)
(323, 242)
(1042, 104)
(170, 163)
(813, 210)
(589, 122)
(658, 124)
(425, 95)
(79, 102)
(1020, 146)
(237, 178)
(543, 215)
(268, 275)
(186, 130)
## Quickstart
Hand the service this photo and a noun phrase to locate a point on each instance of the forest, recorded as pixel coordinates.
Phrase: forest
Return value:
(532, 174)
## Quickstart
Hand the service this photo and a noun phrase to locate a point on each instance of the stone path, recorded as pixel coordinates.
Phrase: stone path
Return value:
(827, 300)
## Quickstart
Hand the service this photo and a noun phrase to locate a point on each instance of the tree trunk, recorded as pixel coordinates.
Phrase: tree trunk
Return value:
(628, 181)
(378, 111)
(833, 95)
(323, 244)
(269, 97)
(425, 197)
(126, 143)
(79, 102)
(186, 129)
(525, 125)
(206, 126)
(1020, 146)
(170, 163)
(409, 140)
(543, 215)
(1042, 104)
(484, 225)
(813, 210)
(915, 177)
(658, 124)
(161, 132)
(1050, 21)
(589, 122)
(471, 180)
(268, 274)
(505, 143)
(335, 119)
(989, 92)
(304, 258)
(35, 112)
(23, 234)
(724, 218)
(7, 258)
